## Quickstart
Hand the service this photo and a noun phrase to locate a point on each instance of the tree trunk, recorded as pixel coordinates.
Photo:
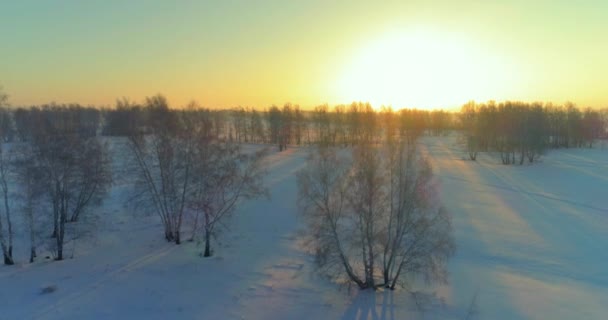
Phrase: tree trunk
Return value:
(32, 254)
(168, 234)
(386, 278)
(61, 236)
(8, 256)
(55, 216)
(30, 217)
(8, 260)
(59, 250)
(8, 221)
(207, 252)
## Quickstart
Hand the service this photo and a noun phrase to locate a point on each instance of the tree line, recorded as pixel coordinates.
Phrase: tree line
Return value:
(342, 125)
(521, 131)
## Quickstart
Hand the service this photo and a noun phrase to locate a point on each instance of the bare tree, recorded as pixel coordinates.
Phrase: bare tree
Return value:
(163, 162)
(93, 177)
(27, 176)
(298, 124)
(73, 167)
(6, 240)
(367, 198)
(376, 219)
(275, 126)
(469, 122)
(416, 235)
(222, 175)
(322, 199)
(72, 164)
(322, 124)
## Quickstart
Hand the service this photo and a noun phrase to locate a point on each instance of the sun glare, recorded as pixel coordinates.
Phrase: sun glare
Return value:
(419, 69)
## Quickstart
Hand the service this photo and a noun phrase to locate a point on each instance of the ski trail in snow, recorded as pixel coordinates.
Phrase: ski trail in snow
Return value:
(74, 296)
(556, 277)
(550, 219)
(488, 232)
(495, 225)
(539, 193)
(273, 163)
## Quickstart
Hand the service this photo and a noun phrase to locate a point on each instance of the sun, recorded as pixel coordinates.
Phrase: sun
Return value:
(419, 69)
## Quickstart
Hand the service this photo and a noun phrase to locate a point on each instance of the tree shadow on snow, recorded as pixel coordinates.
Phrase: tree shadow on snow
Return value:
(381, 305)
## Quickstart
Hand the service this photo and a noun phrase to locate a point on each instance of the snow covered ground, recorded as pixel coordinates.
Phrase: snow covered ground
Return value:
(531, 245)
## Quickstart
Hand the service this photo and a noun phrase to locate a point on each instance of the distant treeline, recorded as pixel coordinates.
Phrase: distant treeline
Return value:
(516, 130)
(520, 131)
(290, 125)
(287, 125)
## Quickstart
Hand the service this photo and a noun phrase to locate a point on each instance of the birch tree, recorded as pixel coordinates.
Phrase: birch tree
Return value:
(322, 199)
(67, 159)
(162, 164)
(222, 175)
(416, 233)
(6, 224)
(376, 221)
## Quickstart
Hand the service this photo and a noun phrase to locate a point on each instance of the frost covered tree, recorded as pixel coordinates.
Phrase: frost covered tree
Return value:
(184, 168)
(375, 220)
(416, 231)
(6, 224)
(221, 176)
(322, 199)
(469, 122)
(276, 125)
(72, 166)
(27, 177)
(162, 163)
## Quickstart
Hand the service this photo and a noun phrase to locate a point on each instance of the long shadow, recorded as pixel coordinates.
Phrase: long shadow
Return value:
(534, 194)
(365, 305)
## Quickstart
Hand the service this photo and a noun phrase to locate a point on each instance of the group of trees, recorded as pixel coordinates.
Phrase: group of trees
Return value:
(55, 169)
(55, 166)
(375, 220)
(520, 131)
(182, 166)
(342, 125)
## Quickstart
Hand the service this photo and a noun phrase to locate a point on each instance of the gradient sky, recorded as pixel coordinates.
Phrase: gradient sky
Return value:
(258, 53)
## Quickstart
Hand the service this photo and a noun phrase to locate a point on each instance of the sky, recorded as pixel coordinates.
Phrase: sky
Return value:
(226, 53)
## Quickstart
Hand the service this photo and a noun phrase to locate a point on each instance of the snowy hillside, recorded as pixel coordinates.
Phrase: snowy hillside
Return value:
(530, 245)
